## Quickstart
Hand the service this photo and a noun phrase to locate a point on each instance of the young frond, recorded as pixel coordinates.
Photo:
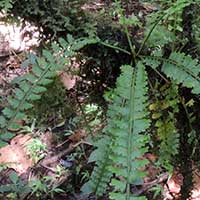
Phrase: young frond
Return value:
(163, 108)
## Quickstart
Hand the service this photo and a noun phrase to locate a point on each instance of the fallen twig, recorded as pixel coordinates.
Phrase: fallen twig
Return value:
(146, 186)
(46, 162)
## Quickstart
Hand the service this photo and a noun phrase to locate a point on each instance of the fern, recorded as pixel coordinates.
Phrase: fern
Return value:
(32, 85)
(169, 141)
(180, 68)
(163, 111)
(129, 144)
(127, 118)
(101, 175)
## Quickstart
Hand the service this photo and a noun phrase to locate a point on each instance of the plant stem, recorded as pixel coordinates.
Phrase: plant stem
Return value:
(149, 34)
(160, 75)
(130, 43)
(115, 47)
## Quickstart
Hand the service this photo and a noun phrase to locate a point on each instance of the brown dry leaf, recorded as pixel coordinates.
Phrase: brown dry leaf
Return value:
(15, 155)
(68, 80)
(149, 7)
(173, 186)
(13, 62)
(78, 136)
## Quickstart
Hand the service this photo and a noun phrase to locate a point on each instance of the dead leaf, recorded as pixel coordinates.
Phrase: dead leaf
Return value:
(68, 80)
(78, 135)
(16, 155)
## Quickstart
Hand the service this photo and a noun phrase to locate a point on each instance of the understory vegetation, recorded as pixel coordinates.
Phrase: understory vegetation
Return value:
(136, 86)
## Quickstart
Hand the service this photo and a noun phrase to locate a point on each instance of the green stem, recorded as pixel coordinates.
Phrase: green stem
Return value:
(149, 34)
(115, 47)
(160, 75)
(130, 43)
(130, 136)
(187, 113)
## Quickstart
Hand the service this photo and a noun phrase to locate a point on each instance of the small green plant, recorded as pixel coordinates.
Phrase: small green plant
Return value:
(17, 189)
(6, 5)
(93, 113)
(3, 166)
(157, 189)
(37, 149)
(43, 187)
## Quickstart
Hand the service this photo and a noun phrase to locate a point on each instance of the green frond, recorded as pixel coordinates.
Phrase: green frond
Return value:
(120, 117)
(122, 150)
(163, 111)
(30, 89)
(181, 68)
(129, 121)
(169, 141)
(32, 85)
(101, 175)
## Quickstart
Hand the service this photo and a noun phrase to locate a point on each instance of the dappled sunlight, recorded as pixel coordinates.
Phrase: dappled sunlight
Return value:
(19, 37)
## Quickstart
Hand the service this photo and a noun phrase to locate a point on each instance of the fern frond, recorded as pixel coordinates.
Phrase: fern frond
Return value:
(181, 68)
(101, 175)
(30, 89)
(169, 141)
(129, 144)
(163, 110)
(32, 85)
(121, 117)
